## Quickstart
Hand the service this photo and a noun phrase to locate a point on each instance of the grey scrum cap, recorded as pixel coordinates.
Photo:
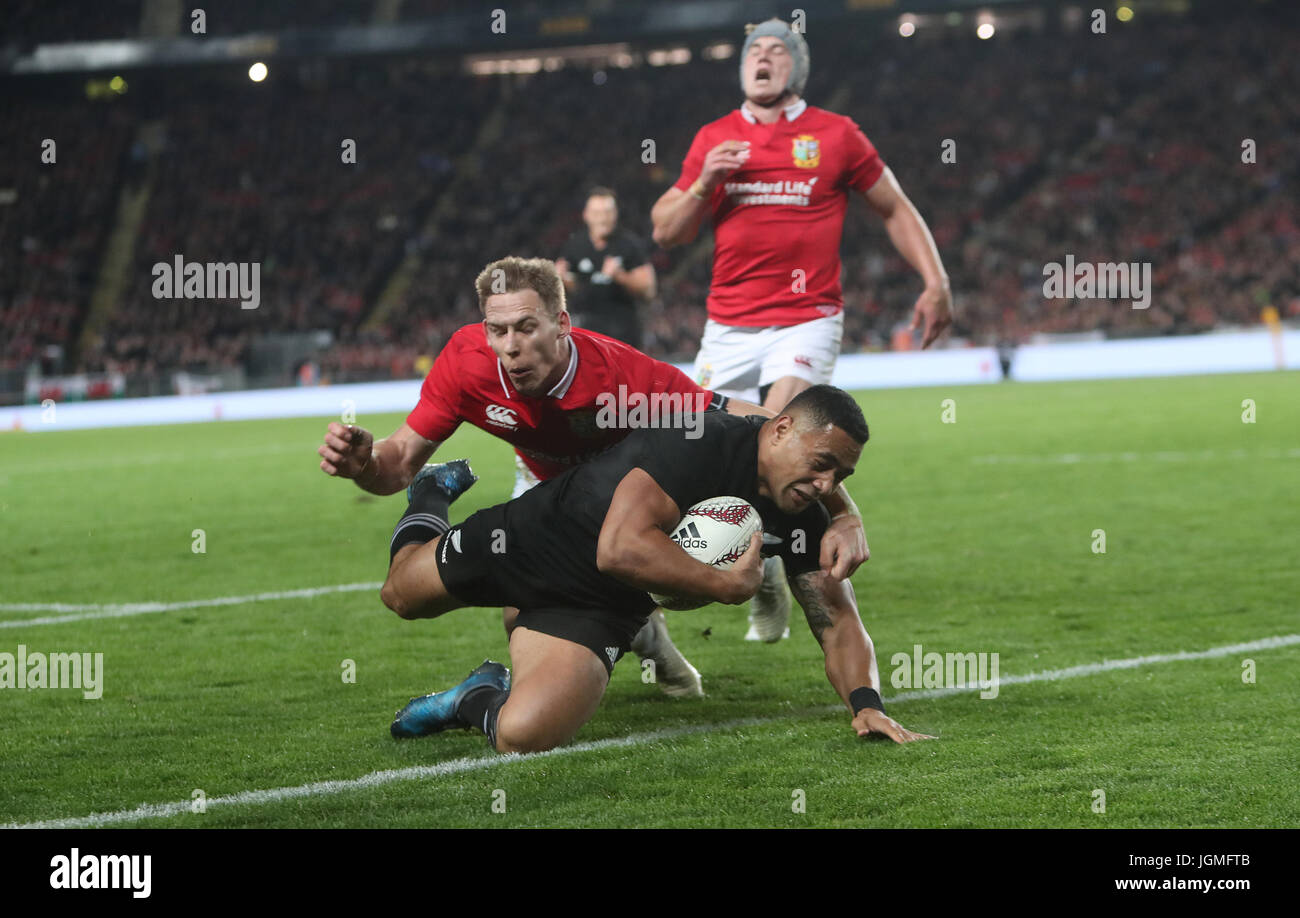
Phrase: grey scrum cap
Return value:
(794, 43)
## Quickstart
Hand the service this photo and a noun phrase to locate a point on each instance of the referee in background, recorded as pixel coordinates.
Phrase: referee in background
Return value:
(605, 271)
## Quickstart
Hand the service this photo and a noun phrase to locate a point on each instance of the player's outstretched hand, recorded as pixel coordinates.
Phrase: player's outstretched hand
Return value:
(346, 450)
(879, 725)
(723, 160)
(935, 306)
(844, 546)
(746, 574)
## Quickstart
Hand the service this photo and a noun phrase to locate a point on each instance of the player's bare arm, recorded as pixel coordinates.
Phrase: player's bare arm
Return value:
(677, 214)
(634, 547)
(911, 237)
(383, 467)
(832, 614)
(640, 281)
(844, 544)
(567, 277)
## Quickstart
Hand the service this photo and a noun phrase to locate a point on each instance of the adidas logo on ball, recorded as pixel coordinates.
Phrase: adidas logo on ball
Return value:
(715, 531)
(689, 537)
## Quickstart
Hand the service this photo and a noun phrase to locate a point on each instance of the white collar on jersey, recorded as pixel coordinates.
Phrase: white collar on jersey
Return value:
(792, 111)
(561, 388)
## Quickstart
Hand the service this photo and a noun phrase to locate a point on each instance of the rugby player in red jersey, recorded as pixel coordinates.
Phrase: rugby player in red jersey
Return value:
(527, 376)
(775, 176)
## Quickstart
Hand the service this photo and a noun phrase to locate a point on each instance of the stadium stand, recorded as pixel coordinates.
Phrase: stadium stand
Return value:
(1123, 148)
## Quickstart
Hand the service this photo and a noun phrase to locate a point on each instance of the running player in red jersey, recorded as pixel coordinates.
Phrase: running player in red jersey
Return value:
(775, 176)
(526, 376)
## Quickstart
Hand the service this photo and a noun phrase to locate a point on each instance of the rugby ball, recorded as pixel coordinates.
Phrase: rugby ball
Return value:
(714, 531)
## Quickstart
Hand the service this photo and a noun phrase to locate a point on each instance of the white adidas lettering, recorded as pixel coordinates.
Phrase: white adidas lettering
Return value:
(689, 537)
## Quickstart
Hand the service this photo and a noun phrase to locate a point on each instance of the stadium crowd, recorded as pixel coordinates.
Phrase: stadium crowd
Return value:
(325, 232)
(1125, 147)
(29, 23)
(54, 219)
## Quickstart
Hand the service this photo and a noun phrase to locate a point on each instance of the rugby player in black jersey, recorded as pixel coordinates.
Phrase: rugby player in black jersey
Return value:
(579, 554)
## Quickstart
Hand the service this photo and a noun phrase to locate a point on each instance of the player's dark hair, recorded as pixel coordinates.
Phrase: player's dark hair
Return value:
(510, 274)
(601, 191)
(824, 404)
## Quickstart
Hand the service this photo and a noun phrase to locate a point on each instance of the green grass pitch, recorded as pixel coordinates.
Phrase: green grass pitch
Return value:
(982, 536)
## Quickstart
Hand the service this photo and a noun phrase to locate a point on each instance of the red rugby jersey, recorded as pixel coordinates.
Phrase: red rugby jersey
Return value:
(782, 212)
(550, 433)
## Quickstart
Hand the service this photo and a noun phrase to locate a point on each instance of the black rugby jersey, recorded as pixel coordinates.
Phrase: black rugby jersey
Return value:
(553, 529)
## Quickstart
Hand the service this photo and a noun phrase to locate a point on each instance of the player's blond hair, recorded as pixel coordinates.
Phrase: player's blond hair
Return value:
(510, 274)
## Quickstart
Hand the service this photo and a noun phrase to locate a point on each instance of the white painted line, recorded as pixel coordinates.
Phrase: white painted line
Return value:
(374, 779)
(479, 763)
(1088, 669)
(77, 613)
(1203, 455)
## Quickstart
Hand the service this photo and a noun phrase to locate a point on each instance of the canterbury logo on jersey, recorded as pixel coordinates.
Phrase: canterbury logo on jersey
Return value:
(613, 654)
(689, 537)
(500, 416)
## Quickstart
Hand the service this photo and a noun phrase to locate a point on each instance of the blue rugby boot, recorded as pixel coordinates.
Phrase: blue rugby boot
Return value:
(440, 711)
(451, 479)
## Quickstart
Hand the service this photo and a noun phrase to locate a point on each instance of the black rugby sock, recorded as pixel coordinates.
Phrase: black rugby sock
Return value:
(479, 709)
(424, 520)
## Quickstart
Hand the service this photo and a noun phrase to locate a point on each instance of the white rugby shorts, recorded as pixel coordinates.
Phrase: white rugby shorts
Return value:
(737, 361)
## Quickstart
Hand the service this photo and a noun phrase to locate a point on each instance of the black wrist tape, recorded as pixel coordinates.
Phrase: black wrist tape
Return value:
(865, 697)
